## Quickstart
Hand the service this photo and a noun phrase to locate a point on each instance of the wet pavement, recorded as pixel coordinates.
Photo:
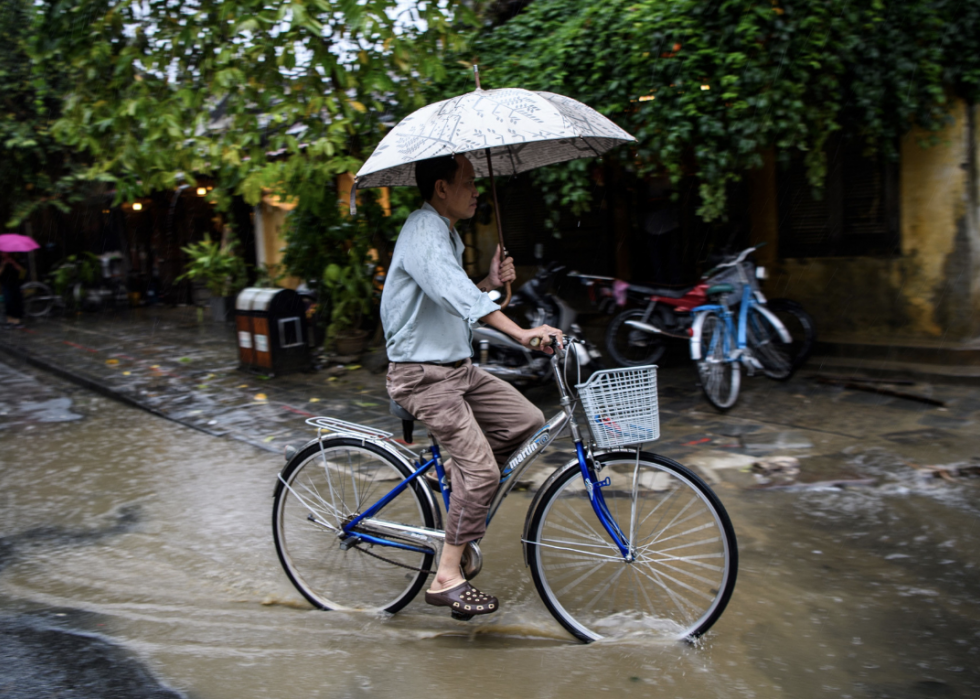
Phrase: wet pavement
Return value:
(169, 362)
(137, 553)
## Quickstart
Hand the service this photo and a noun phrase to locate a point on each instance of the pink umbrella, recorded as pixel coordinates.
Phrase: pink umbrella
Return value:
(12, 242)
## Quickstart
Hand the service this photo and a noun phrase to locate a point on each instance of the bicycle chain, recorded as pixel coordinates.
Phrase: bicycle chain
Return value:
(395, 563)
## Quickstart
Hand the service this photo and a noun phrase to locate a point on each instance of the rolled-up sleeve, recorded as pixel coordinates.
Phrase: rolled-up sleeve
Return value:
(431, 262)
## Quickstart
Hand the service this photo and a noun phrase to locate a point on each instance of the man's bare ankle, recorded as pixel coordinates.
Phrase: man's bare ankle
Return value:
(441, 583)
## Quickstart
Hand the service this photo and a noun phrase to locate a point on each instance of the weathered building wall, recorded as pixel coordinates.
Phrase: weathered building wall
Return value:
(270, 215)
(931, 289)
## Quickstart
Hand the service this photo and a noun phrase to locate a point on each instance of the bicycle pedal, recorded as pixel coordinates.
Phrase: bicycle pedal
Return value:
(459, 616)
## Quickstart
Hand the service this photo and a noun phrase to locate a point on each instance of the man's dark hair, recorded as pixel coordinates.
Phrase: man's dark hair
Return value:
(428, 172)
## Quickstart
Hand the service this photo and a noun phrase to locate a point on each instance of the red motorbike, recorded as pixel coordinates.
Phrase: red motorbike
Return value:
(637, 336)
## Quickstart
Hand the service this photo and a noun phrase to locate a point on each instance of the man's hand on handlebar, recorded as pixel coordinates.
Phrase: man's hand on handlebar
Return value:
(539, 338)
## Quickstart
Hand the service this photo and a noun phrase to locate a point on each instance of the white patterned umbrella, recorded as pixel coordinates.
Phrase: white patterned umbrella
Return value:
(523, 130)
(516, 130)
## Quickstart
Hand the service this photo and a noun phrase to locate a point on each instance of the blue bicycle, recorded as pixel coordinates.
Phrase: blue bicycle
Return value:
(722, 345)
(618, 540)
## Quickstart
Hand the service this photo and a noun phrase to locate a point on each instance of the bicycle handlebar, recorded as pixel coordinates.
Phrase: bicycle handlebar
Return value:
(731, 263)
(558, 350)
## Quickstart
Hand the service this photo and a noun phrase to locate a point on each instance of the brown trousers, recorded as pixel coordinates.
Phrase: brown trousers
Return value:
(479, 419)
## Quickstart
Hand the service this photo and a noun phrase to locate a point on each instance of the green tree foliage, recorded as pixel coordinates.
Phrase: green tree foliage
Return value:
(34, 167)
(705, 86)
(281, 96)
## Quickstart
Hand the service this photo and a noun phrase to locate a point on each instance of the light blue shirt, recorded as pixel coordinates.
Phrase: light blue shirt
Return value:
(429, 304)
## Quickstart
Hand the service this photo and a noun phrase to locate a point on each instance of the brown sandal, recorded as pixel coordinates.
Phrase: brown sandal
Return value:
(464, 600)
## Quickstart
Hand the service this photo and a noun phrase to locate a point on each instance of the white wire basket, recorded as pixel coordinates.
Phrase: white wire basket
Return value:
(621, 406)
(738, 276)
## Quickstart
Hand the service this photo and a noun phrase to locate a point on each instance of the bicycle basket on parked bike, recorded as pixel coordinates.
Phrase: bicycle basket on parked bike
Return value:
(621, 406)
(738, 276)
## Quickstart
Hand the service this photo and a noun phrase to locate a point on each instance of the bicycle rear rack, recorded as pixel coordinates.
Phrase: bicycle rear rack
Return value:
(335, 425)
(352, 429)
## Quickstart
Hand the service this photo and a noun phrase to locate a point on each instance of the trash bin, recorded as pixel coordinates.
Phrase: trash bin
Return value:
(272, 332)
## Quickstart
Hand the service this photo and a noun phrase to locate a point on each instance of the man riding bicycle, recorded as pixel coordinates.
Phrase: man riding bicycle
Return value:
(427, 309)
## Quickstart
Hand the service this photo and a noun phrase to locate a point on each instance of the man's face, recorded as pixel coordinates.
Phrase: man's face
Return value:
(461, 196)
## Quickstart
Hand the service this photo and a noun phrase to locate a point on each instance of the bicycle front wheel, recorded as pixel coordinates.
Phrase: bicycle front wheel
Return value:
(720, 377)
(767, 345)
(320, 490)
(38, 299)
(685, 552)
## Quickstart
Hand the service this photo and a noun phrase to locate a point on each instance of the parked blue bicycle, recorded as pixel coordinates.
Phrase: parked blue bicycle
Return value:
(736, 330)
(619, 540)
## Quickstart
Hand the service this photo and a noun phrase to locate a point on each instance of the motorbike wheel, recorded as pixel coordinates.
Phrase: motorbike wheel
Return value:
(629, 346)
(801, 328)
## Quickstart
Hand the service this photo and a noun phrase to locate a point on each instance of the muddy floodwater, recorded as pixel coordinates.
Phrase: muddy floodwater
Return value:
(153, 538)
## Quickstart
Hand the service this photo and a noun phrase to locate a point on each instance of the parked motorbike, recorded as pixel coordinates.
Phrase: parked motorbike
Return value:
(109, 287)
(638, 335)
(507, 359)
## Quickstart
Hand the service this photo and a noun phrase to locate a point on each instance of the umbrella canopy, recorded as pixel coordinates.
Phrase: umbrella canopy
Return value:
(522, 129)
(12, 242)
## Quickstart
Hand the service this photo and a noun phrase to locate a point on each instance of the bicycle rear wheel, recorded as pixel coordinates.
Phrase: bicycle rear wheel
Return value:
(317, 492)
(800, 325)
(38, 299)
(767, 345)
(686, 555)
(720, 378)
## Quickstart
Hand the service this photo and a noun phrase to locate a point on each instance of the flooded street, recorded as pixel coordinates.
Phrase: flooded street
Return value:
(127, 529)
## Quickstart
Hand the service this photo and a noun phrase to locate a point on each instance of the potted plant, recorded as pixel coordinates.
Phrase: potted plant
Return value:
(349, 289)
(219, 268)
(75, 272)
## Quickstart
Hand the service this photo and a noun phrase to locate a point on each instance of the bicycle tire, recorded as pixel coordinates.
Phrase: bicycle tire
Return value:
(800, 325)
(720, 378)
(38, 299)
(767, 345)
(675, 591)
(327, 575)
(629, 346)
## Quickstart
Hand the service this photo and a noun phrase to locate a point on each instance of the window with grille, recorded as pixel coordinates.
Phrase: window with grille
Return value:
(858, 214)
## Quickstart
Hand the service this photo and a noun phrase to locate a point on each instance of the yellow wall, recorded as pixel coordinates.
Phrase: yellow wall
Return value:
(932, 288)
(273, 210)
(273, 213)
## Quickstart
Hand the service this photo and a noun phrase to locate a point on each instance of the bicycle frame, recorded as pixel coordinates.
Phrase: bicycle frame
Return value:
(731, 355)
(369, 528)
(738, 353)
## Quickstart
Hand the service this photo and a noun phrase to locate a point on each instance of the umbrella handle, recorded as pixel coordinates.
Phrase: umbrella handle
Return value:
(506, 300)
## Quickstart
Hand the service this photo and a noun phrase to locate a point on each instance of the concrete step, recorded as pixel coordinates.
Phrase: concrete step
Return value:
(935, 360)
(941, 352)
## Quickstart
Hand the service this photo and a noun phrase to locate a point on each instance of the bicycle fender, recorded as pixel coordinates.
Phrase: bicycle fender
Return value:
(696, 328)
(780, 328)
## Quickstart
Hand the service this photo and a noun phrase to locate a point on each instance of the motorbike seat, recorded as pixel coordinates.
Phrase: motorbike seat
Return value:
(408, 420)
(720, 289)
(660, 291)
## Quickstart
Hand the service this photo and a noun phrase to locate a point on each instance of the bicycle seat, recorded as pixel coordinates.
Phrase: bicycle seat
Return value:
(657, 291)
(408, 420)
(720, 289)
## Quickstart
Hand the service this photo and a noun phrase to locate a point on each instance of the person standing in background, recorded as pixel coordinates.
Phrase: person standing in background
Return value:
(11, 274)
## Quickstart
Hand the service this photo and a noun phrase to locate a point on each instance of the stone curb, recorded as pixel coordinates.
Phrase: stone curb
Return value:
(103, 389)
